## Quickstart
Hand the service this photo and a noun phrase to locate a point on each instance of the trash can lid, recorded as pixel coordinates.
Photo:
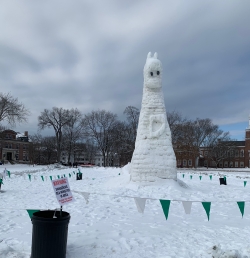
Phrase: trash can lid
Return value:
(47, 215)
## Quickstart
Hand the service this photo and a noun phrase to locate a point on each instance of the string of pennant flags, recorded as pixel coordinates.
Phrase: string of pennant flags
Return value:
(45, 178)
(70, 175)
(210, 176)
(165, 204)
(141, 203)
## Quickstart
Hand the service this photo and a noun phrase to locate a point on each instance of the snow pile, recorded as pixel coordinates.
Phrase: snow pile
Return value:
(153, 156)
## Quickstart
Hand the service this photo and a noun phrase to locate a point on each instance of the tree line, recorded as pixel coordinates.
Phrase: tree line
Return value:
(102, 132)
(98, 131)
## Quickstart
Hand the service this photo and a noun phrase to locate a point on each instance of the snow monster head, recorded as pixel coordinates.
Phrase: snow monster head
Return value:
(152, 72)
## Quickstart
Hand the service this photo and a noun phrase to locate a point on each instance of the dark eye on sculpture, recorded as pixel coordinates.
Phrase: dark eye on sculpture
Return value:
(158, 72)
(151, 73)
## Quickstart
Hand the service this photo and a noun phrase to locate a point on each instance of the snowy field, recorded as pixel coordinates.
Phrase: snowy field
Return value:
(110, 225)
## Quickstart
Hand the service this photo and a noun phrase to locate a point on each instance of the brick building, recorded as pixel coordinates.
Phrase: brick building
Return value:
(237, 157)
(14, 147)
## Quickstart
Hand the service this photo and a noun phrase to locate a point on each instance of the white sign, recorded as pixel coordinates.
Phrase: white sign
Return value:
(4, 173)
(62, 191)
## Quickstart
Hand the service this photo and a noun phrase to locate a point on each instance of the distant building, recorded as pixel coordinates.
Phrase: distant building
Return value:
(238, 157)
(15, 147)
(82, 159)
(79, 156)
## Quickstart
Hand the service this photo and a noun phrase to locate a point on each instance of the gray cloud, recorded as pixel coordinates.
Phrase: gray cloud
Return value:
(91, 56)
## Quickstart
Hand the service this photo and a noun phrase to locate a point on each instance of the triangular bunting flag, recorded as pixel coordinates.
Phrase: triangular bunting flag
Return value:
(207, 206)
(30, 212)
(140, 204)
(210, 177)
(86, 197)
(200, 177)
(64, 175)
(183, 175)
(42, 178)
(187, 206)
(50, 177)
(191, 176)
(245, 182)
(8, 173)
(241, 206)
(74, 172)
(1, 181)
(29, 177)
(4, 173)
(165, 206)
(69, 175)
(58, 177)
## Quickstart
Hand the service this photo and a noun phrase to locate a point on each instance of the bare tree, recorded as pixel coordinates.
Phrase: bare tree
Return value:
(57, 118)
(72, 132)
(91, 149)
(220, 146)
(49, 148)
(188, 136)
(11, 110)
(175, 121)
(99, 126)
(43, 149)
(184, 141)
(37, 150)
(132, 115)
(2, 129)
(123, 147)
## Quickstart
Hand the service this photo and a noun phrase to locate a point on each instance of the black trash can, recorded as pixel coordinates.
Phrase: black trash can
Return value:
(223, 181)
(78, 176)
(49, 235)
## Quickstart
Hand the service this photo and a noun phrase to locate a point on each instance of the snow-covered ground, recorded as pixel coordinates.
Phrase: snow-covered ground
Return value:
(110, 225)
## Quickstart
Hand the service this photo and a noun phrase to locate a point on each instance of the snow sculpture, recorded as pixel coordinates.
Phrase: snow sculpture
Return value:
(153, 156)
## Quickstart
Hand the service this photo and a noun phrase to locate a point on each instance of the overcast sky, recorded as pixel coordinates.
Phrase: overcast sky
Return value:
(90, 55)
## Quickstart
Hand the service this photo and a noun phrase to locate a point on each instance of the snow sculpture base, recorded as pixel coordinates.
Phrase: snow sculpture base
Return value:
(153, 156)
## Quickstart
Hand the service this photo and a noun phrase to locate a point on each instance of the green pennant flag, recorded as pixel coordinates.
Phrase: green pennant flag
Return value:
(183, 175)
(207, 206)
(64, 175)
(74, 172)
(69, 175)
(1, 181)
(200, 177)
(191, 177)
(241, 207)
(8, 173)
(165, 206)
(245, 182)
(29, 177)
(50, 178)
(58, 176)
(210, 177)
(30, 212)
(42, 178)
(225, 177)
